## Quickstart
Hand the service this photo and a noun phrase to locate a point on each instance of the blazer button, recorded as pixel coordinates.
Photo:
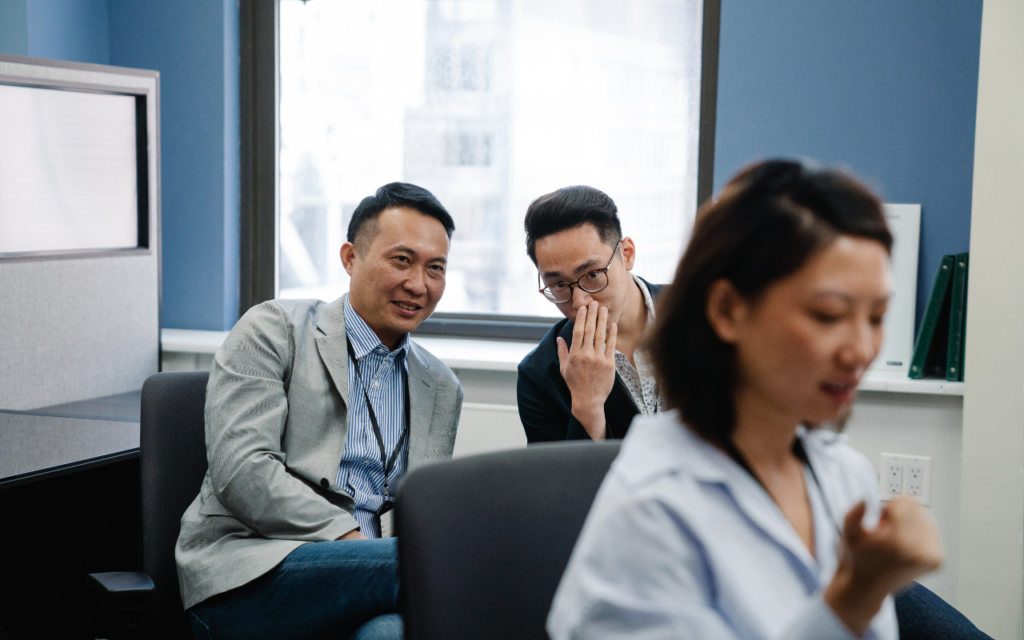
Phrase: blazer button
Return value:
(324, 483)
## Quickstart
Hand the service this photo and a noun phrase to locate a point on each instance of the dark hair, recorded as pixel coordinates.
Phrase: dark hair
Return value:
(568, 208)
(398, 194)
(767, 222)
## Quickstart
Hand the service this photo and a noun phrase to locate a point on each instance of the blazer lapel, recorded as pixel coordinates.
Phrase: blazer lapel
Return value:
(332, 346)
(422, 389)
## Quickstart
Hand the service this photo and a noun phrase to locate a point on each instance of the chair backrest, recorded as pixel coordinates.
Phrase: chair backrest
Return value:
(483, 540)
(172, 451)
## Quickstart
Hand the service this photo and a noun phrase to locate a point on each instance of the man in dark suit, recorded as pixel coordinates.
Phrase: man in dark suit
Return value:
(587, 378)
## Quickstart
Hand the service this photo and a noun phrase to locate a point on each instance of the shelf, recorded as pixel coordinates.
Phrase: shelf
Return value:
(498, 355)
(900, 383)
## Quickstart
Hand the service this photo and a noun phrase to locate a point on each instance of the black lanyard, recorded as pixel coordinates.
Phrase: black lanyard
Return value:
(387, 463)
(801, 454)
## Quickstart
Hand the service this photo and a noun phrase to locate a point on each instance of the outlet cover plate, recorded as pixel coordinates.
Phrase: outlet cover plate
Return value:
(902, 474)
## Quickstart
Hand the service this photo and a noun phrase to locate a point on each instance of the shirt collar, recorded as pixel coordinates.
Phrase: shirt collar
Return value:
(673, 446)
(363, 338)
(708, 463)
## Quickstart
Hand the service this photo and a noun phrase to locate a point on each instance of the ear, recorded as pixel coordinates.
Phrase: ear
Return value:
(726, 310)
(628, 250)
(348, 257)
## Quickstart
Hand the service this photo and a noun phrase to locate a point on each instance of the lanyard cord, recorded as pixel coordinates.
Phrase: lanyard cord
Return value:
(387, 463)
(801, 454)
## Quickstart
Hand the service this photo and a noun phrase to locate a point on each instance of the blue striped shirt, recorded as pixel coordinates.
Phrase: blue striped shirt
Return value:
(384, 373)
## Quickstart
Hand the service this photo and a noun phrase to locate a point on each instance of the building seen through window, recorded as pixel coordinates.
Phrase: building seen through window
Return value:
(488, 104)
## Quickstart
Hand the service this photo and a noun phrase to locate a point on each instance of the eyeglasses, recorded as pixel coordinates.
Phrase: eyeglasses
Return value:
(591, 282)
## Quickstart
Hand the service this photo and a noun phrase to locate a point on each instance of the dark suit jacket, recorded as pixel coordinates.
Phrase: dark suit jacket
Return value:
(545, 404)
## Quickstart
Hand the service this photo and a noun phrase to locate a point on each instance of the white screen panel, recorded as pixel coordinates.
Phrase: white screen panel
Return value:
(68, 172)
(905, 224)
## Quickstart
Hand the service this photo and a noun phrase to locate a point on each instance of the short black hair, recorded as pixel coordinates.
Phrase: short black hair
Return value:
(398, 194)
(768, 221)
(568, 208)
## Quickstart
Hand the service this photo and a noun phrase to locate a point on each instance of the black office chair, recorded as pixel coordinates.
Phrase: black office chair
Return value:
(172, 451)
(483, 540)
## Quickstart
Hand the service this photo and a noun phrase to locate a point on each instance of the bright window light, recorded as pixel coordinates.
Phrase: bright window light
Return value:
(488, 104)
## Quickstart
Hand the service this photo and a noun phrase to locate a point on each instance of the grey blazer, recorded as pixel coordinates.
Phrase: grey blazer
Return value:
(276, 424)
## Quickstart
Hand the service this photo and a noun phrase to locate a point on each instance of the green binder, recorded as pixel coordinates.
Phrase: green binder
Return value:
(957, 320)
(929, 359)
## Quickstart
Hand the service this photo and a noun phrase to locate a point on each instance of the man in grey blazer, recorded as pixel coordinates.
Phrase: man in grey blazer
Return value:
(313, 410)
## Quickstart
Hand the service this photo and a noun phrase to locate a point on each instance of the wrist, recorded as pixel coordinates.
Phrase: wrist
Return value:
(593, 421)
(354, 534)
(855, 602)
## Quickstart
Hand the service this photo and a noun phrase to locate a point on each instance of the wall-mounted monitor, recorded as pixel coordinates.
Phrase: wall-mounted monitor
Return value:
(73, 164)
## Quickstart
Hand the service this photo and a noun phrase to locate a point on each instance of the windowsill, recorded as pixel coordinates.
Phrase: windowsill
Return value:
(191, 341)
(497, 355)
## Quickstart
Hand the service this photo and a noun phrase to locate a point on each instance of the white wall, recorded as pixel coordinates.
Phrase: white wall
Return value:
(992, 507)
(924, 425)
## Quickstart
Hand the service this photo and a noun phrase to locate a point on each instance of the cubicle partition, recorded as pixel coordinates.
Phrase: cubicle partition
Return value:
(79, 261)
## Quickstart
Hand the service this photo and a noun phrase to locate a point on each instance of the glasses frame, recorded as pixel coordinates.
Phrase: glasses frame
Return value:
(546, 291)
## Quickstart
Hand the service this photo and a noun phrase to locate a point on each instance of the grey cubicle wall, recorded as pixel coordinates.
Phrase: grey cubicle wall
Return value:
(82, 324)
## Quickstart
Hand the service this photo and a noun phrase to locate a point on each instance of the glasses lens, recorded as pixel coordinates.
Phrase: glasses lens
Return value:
(594, 281)
(558, 293)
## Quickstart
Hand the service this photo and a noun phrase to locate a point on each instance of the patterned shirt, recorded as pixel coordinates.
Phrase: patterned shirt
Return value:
(384, 375)
(639, 381)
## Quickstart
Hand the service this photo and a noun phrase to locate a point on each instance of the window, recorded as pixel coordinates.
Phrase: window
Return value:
(488, 104)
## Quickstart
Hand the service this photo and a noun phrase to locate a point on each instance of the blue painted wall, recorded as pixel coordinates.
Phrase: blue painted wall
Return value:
(888, 89)
(232, 176)
(194, 46)
(69, 30)
(14, 27)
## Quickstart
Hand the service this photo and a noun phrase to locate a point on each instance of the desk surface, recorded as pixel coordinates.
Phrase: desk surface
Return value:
(60, 438)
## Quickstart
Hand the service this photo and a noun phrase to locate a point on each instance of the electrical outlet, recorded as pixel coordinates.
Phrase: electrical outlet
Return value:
(917, 477)
(890, 482)
(905, 475)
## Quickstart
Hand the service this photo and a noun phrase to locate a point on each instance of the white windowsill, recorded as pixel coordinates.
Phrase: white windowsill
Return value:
(497, 355)
(190, 341)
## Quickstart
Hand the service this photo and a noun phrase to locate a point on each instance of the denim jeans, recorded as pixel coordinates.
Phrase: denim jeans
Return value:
(345, 589)
(922, 615)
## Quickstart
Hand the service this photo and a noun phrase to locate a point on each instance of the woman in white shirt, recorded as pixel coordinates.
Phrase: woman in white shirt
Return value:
(734, 515)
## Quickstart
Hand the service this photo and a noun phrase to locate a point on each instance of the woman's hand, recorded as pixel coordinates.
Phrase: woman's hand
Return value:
(873, 564)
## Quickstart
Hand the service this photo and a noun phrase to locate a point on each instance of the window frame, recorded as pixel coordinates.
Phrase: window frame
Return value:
(259, 87)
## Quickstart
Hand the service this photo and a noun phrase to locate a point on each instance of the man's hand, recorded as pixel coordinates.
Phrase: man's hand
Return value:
(353, 535)
(588, 368)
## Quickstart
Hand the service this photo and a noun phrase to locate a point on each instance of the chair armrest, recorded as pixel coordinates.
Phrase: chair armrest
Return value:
(122, 589)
